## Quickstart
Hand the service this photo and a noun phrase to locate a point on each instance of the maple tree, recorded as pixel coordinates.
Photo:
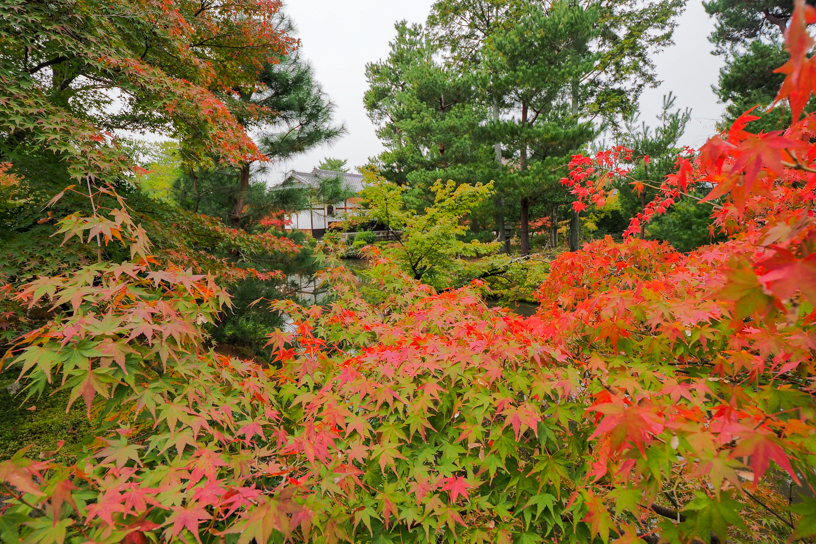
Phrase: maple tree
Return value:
(429, 245)
(656, 396)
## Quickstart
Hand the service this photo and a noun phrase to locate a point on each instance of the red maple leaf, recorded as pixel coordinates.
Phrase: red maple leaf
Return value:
(786, 274)
(186, 518)
(762, 447)
(456, 486)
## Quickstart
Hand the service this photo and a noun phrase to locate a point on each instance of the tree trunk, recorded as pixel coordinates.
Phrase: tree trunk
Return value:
(525, 226)
(575, 225)
(554, 228)
(525, 201)
(240, 199)
(194, 175)
(643, 206)
(498, 201)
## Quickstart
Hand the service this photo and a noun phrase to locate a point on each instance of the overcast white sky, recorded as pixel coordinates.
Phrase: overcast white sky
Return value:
(339, 38)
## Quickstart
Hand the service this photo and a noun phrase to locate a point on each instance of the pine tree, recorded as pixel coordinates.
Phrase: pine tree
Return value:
(535, 66)
(427, 112)
(300, 118)
(333, 165)
(440, 105)
(748, 35)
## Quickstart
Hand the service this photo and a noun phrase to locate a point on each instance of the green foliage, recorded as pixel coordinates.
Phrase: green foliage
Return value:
(162, 161)
(487, 82)
(301, 111)
(654, 154)
(365, 237)
(427, 114)
(429, 243)
(331, 189)
(215, 193)
(654, 395)
(687, 226)
(333, 165)
(533, 68)
(741, 22)
(748, 34)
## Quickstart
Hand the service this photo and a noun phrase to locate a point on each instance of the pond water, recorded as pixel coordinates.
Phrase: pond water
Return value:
(525, 309)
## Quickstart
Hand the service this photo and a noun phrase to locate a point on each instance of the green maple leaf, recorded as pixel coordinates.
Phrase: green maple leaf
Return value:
(806, 527)
(527, 538)
(387, 453)
(120, 452)
(48, 531)
(541, 501)
(705, 515)
(88, 384)
(10, 524)
(43, 357)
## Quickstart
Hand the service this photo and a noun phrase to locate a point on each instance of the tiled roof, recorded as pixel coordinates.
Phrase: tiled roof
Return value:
(352, 182)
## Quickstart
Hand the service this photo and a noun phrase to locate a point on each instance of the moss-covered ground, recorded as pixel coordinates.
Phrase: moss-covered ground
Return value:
(43, 427)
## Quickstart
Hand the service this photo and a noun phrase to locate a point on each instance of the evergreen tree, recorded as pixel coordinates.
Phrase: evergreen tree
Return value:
(535, 66)
(748, 35)
(427, 112)
(442, 105)
(299, 118)
(333, 165)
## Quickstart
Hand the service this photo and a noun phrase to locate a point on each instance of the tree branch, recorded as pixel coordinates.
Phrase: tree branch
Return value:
(775, 20)
(768, 508)
(46, 64)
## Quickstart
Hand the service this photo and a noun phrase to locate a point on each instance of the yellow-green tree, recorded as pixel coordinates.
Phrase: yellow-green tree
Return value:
(428, 242)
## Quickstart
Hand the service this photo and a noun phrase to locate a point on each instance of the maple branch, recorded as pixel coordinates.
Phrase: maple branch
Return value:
(697, 198)
(667, 513)
(677, 516)
(799, 166)
(768, 508)
(46, 64)
(19, 497)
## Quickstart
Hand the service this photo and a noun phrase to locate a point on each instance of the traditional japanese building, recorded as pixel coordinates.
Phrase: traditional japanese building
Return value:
(320, 216)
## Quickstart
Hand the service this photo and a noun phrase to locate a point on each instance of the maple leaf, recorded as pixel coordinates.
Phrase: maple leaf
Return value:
(718, 468)
(189, 517)
(627, 424)
(251, 429)
(521, 418)
(88, 384)
(786, 274)
(205, 463)
(710, 517)
(60, 493)
(137, 530)
(806, 526)
(387, 452)
(745, 291)
(120, 452)
(456, 486)
(799, 81)
(259, 523)
(598, 517)
(16, 475)
(761, 447)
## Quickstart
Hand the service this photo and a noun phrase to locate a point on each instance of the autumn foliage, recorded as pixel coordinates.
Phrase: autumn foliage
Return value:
(656, 396)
